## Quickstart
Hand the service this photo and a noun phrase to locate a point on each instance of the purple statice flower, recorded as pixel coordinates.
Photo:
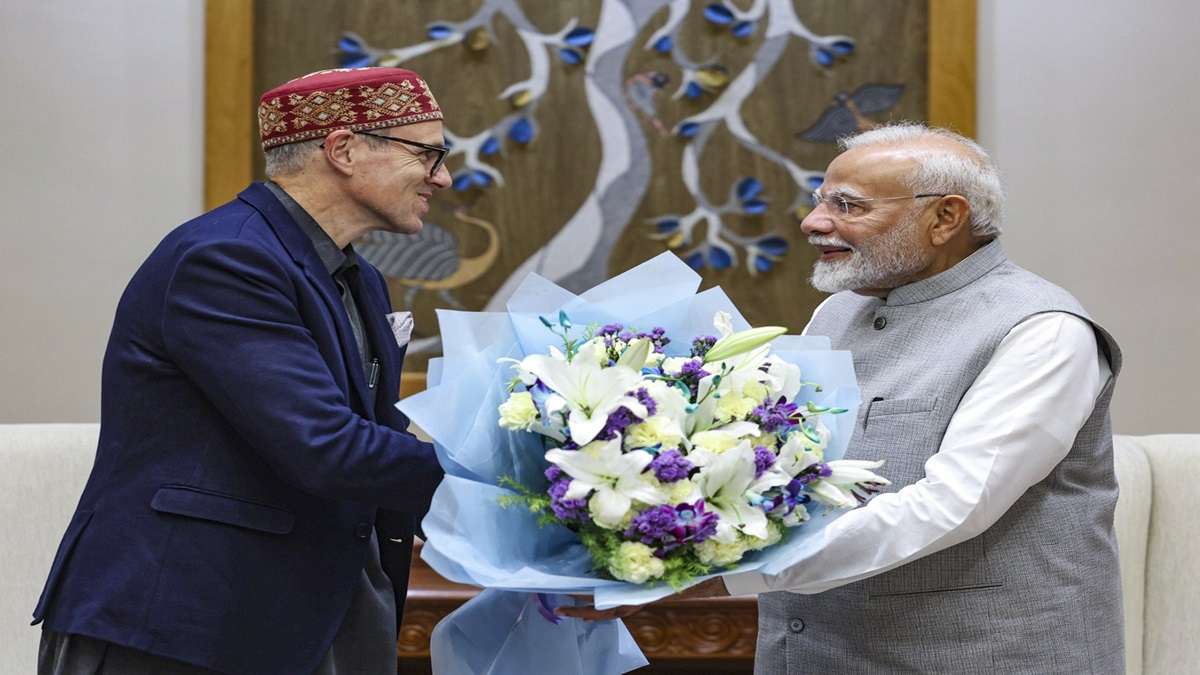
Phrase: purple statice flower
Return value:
(691, 373)
(553, 473)
(626, 336)
(667, 527)
(702, 344)
(657, 337)
(566, 509)
(763, 460)
(774, 417)
(670, 466)
(647, 400)
(618, 421)
(610, 330)
(655, 525)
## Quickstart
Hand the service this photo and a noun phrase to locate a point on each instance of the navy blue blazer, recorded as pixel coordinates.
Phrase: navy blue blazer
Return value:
(239, 470)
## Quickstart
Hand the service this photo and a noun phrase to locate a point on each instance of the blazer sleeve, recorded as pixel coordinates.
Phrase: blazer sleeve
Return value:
(231, 324)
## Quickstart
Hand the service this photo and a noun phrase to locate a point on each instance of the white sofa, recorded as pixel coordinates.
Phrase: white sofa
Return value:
(43, 468)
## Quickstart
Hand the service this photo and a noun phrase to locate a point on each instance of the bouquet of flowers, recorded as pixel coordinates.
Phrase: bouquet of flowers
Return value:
(649, 460)
(670, 467)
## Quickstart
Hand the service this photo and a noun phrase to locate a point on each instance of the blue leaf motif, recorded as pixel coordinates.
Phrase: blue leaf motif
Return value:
(355, 60)
(579, 37)
(823, 57)
(695, 261)
(718, 14)
(763, 264)
(521, 131)
(776, 246)
(490, 147)
(349, 43)
(667, 225)
(480, 179)
(462, 181)
(748, 188)
(570, 55)
(664, 44)
(814, 182)
(692, 90)
(439, 31)
(843, 48)
(719, 258)
(688, 129)
(754, 207)
(743, 29)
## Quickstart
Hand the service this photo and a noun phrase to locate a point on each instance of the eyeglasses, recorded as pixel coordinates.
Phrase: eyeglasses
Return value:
(438, 156)
(852, 205)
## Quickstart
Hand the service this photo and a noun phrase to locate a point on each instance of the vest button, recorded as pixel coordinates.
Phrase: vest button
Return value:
(362, 530)
(880, 322)
(796, 625)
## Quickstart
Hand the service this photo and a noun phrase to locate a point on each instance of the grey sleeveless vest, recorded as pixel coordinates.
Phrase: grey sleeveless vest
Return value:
(1039, 591)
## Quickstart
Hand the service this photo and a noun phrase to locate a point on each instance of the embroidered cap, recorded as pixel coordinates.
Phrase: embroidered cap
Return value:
(357, 99)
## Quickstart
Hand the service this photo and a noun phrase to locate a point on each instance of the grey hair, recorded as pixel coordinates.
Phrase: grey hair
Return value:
(939, 172)
(289, 158)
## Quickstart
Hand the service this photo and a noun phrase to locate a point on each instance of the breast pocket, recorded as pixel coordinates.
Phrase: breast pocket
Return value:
(194, 502)
(902, 433)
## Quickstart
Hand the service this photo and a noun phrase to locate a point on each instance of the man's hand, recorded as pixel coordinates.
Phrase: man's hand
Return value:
(713, 588)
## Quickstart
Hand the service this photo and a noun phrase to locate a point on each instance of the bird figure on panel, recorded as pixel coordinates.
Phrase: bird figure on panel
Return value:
(848, 114)
(431, 260)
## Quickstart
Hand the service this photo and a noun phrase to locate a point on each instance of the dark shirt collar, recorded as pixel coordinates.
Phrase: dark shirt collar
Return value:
(332, 257)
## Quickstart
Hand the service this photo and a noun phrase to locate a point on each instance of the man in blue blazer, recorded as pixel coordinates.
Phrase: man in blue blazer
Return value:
(255, 491)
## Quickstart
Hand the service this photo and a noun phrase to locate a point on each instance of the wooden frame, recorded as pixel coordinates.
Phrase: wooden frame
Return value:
(229, 133)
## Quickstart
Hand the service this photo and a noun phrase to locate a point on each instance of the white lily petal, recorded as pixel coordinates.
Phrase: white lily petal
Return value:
(609, 507)
(578, 489)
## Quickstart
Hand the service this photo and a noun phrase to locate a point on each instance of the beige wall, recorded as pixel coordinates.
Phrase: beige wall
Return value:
(101, 148)
(1089, 107)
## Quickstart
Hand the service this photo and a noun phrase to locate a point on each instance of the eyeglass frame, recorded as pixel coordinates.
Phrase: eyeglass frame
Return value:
(844, 203)
(442, 150)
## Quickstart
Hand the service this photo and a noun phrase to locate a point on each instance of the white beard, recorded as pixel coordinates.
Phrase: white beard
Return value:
(886, 260)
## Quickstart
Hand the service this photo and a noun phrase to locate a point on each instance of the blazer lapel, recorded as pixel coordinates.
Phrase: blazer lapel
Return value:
(380, 333)
(303, 254)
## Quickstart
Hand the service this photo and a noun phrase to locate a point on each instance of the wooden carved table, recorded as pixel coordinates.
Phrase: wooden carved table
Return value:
(714, 635)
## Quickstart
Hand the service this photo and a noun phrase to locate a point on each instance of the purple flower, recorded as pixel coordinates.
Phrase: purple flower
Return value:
(670, 466)
(763, 460)
(645, 399)
(701, 345)
(774, 417)
(617, 422)
(667, 527)
(626, 336)
(693, 369)
(610, 329)
(657, 337)
(567, 509)
(553, 473)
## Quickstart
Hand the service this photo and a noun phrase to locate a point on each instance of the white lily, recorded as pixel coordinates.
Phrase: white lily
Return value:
(849, 484)
(587, 391)
(783, 379)
(614, 477)
(726, 485)
(796, 454)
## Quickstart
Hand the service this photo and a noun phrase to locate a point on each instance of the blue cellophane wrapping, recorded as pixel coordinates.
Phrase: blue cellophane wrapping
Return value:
(472, 539)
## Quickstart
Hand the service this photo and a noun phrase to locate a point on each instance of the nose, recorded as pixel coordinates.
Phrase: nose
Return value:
(817, 221)
(440, 180)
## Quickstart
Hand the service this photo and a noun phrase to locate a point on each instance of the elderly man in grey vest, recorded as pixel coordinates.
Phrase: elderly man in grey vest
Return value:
(986, 389)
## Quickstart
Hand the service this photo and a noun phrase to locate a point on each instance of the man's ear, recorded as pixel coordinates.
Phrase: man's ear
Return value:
(338, 151)
(952, 215)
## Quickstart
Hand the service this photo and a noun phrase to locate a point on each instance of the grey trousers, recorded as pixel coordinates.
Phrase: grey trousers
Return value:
(64, 654)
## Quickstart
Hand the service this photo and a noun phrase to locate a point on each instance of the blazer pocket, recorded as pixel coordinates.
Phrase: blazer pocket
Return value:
(185, 500)
(900, 406)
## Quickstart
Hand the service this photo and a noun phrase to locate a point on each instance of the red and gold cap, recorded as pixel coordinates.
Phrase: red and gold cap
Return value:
(357, 99)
